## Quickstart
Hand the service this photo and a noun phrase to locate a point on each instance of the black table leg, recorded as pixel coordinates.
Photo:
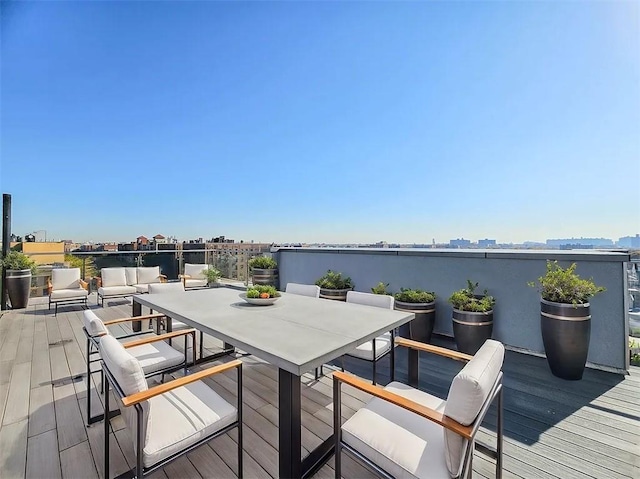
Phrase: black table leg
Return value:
(290, 435)
(136, 311)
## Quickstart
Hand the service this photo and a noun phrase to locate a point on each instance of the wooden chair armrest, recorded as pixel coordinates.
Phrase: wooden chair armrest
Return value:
(84, 284)
(98, 281)
(409, 405)
(49, 286)
(134, 318)
(176, 383)
(163, 278)
(430, 348)
(158, 337)
(184, 276)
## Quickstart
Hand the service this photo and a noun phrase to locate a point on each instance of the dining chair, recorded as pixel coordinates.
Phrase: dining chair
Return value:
(380, 346)
(171, 419)
(155, 355)
(404, 432)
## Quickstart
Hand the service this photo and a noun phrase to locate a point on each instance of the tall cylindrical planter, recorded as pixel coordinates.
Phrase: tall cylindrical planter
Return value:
(334, 294)
(18, 287)
(268, 277)
(420, 328)
(471, 329)
(566, 331)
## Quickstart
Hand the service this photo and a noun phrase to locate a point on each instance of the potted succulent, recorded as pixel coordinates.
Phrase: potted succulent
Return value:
(472, 318)
(19, 270)
(565, 318)
(334, 286)
(423, 305)
(264, 270)
(213, 275)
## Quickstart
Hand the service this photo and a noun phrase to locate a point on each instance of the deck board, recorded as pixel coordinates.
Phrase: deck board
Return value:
(553, 428)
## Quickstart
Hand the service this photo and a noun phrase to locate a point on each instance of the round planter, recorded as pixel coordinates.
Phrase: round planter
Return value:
(335, 294)
(18, 286)
(566, 330)
(420, 328)
(471, 329)
(267, 277)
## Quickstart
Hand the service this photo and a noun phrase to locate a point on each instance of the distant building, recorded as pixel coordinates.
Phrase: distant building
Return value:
(43, 253)
(142, 241)
(460, 243)
(486, 243)
(159, 239)
(592, 242)
(629, 241)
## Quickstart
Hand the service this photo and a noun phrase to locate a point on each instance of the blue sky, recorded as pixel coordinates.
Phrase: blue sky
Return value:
(322, 121)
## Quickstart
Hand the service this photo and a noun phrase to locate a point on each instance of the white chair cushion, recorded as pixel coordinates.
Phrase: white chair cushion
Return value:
(365, 350)
(113, 277)
(195, 283)
(196, 271)
(156, 356)
(150, 274)
(311, 290)
(66, 294)
(67, 278)
(174, 287)
(131, 273)
(93, 324)
(181, 417)
(177, 325)
(370, 299)
(141, 288)
(116, 291)
(468, 392)
(400, 442)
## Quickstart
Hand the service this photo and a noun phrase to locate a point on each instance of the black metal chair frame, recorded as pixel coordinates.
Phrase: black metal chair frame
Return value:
(494, 453)
(82, 300)
(140, 470)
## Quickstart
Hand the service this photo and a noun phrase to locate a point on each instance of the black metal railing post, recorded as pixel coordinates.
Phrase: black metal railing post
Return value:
(6, 243)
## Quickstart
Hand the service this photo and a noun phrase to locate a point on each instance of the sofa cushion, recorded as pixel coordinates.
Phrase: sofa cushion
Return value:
(93, 324)
(65, 278)
(150, 274)
(131, 273)
(113, 277)
(196, 271)
(468, 392)
(116, 291)
(399, 441)
(67, 294)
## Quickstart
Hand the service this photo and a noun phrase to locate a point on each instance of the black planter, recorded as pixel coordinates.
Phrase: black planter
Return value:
(566, 331)
(335, 294)
(18, 287)
(471, 329)
(420, 328)
(268, 277)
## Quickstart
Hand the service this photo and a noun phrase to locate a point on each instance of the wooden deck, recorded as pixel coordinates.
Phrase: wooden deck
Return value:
(553, 428)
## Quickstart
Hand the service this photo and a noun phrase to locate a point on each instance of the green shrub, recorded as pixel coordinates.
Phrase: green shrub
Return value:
(381, 288)
(334, 280)
(263, 262)
(467, 300)
(212, 274)
(565, 286)
(257, 290)
(18, 260)
(415, 296)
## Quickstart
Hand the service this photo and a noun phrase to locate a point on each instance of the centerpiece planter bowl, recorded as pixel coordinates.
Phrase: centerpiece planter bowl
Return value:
(260, 295)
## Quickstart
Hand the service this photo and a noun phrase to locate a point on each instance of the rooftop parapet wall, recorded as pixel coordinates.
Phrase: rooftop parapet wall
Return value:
(504, 273)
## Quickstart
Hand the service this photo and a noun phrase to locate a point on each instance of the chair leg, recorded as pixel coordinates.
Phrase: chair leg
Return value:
(374, 360)
(88, 382)
(337, 424)
(106, 434)
(499, 432)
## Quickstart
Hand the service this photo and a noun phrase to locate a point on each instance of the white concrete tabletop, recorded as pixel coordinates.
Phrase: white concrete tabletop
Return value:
(297, 333)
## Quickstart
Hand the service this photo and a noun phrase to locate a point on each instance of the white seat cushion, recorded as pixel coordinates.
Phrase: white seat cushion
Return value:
(67, 278)
(65, 294)
(141, 288)
(93, 324)
(180, 418)
(195, 283)
(399, 441)
(156, 356)
(177, 325)
(150, 274)
(116, 291)
(365, 350)
(196, 271)
(113, 277)
(468, 392)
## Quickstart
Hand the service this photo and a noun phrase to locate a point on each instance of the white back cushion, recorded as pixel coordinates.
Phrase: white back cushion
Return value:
(468, 392)
(131, 273)
(166, 287)
(113, 277)
(93, 324)
(196, 271)
(67, 278)
(370, 299)
(148, 275)
(310, 290)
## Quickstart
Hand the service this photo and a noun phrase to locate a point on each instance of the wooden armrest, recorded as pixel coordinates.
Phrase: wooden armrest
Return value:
(430, 348)
(98, 281)
(158, 337)
(163, 278)
(184, 276)
(176, 383)
(134, 318)
(49, 286)
(409, 405)
(84, 284)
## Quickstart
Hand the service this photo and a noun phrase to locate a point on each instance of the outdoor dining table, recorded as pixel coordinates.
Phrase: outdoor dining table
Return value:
(296, 334)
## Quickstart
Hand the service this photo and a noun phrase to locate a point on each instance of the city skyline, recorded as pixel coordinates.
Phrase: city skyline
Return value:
(340, 122)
